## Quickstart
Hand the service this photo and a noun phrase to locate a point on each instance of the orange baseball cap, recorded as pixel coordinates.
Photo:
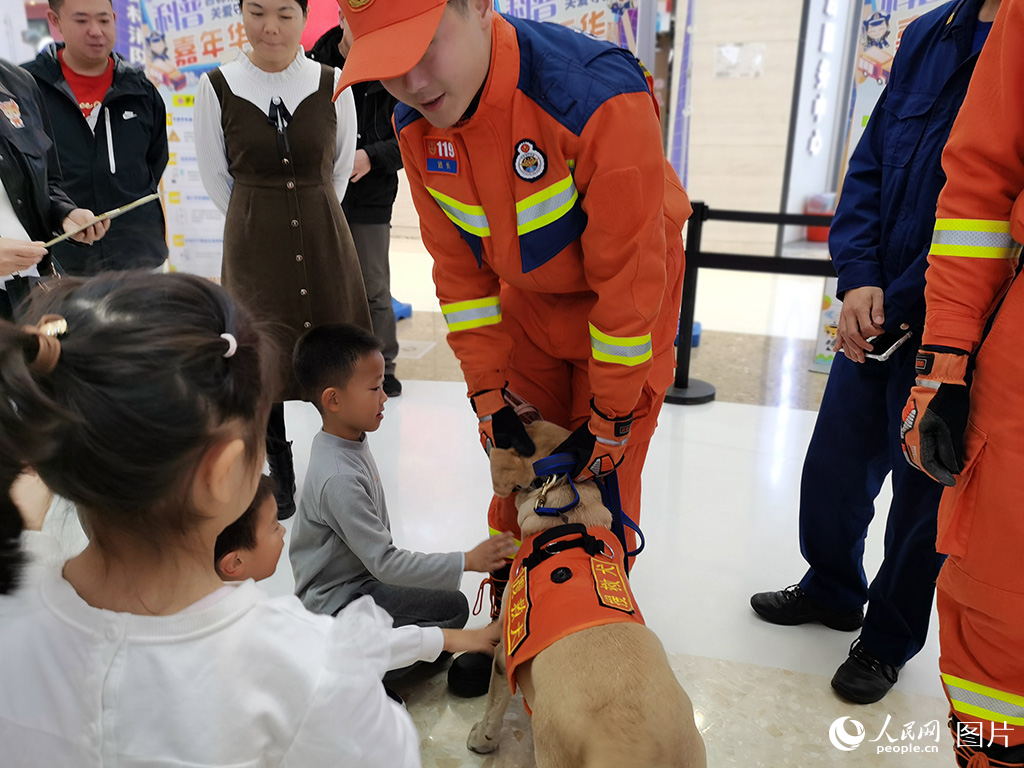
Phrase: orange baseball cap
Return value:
(389, 37)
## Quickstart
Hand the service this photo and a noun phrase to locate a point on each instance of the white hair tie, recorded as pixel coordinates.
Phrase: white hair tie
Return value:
(232, 344)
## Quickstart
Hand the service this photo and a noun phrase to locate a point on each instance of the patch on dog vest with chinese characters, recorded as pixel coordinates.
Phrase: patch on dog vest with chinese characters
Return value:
(562, 581)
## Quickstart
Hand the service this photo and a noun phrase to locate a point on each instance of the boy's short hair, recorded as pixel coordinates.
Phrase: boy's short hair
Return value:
(326, 356)
(460, 5)
(241, 534)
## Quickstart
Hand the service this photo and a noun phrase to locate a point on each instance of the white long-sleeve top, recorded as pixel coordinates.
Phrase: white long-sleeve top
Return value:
(247, 81)
(238, 679)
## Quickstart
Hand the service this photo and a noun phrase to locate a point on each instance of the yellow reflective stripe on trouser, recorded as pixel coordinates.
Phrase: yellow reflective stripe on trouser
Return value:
(974, 239)
(476, 313)
(470, 218)
(623, 350)
(550, 204)
(984, 702)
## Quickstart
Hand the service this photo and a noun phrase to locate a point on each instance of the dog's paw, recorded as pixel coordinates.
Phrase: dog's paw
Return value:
(479, 741)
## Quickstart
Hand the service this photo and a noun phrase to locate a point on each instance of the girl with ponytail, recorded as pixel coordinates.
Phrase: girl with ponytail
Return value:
(143, 400)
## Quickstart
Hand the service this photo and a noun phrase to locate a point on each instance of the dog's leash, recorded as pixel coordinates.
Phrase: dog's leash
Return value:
(549, 468)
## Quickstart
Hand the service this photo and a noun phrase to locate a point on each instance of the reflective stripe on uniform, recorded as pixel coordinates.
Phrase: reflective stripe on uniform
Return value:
(542, 208)
(496, 532)
(974, 239)
(984, 702)
(470, 218)
(475, 313)
(622, 350)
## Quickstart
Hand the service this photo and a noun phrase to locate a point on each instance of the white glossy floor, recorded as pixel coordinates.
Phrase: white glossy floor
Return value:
(719, 514)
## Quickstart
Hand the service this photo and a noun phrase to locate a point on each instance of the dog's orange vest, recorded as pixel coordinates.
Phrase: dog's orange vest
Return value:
(563, 580)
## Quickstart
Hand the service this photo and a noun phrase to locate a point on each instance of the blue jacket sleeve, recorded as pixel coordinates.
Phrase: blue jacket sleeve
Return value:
(853, 239)
(904, 296)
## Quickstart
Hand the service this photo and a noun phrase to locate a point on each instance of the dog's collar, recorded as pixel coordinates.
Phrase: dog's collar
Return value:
(549, 471)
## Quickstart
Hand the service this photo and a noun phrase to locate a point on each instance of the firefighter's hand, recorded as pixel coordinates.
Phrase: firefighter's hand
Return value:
(491, 554)
(860, 318)
(500, 425)
(597, 445)
(935, 416)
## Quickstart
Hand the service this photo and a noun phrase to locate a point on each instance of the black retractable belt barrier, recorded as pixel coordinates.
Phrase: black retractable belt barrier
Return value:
(687, 391)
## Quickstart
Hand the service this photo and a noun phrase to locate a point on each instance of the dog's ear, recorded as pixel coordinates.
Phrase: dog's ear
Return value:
(510, 471)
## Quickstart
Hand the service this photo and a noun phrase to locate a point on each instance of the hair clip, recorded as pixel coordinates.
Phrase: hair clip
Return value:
(232, 344)
(48, 330)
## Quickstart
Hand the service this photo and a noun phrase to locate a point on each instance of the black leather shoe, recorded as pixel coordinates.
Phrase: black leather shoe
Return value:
(862, 678)
(282, 469)
(469, 675)
(792, 606)
(392, 386)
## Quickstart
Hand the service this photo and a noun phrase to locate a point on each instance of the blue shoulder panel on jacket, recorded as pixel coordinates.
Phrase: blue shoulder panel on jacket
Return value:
(570, 75)
(404, 115)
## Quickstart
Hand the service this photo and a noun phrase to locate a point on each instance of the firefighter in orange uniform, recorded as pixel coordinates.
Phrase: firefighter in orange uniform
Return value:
(534, 155)
(972, 440)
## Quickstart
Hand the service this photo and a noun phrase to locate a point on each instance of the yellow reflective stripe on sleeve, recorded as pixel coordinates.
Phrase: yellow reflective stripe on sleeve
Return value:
(470, 218)
(496, 532)
(622, 350)
(550, 204)
(984, 702)
(475, 313)
(974, 239)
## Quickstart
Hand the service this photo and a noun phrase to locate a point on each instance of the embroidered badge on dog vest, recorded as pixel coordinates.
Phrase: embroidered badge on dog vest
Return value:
(529, 163)
(441, 155)
(611, 587)
(518, 624)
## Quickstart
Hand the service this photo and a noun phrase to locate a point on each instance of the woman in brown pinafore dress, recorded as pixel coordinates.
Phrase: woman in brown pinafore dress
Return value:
(288, 253)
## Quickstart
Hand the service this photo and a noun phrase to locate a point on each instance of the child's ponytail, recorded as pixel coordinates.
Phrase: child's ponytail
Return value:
(29, 425)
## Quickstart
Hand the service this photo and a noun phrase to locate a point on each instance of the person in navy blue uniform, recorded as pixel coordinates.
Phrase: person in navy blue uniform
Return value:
(879, 244)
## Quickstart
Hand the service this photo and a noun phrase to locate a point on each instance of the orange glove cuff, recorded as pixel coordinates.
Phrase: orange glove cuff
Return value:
(940, 367)
(488, 402)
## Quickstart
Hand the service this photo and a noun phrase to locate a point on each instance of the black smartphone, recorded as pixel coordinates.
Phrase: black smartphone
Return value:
(885, 344)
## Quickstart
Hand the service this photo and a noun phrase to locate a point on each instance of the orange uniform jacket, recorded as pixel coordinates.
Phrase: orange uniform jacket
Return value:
(974, 252)
(979, 222)
(564, 593)
(557, 185)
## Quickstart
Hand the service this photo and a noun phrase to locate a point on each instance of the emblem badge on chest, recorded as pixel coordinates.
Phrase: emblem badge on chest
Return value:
(441, 155)
(530, 163)
(12, 112)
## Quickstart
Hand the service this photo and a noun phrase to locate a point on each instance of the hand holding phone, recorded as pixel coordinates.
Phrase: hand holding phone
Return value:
(884, 345)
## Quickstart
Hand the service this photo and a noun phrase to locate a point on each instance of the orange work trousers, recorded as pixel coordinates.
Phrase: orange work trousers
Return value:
(980, 590)
(549, 368)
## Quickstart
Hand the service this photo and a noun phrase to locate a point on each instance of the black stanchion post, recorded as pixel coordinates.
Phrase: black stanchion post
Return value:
(687, 391)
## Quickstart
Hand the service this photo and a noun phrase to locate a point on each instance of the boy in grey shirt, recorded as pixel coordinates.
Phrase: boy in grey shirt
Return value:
(341, 546)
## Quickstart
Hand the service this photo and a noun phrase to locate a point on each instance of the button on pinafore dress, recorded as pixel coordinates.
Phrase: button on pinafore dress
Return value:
(288, 253)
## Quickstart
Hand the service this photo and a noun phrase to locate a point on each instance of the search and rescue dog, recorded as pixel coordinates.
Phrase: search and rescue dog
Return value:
(601, 695)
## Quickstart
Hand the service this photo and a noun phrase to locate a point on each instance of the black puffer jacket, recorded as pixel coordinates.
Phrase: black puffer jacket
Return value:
(369, 200)
(122, 161)
(29, 175)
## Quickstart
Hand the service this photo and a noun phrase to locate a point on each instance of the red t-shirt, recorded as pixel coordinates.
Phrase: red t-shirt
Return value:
(89, 90)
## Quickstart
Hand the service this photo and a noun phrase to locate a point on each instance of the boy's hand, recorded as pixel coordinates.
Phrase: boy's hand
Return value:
(492, 554)
(473, 640)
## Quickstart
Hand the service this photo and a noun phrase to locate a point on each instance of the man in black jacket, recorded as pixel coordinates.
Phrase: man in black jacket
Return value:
(109, 125)
(371, 194)
(32, 206)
